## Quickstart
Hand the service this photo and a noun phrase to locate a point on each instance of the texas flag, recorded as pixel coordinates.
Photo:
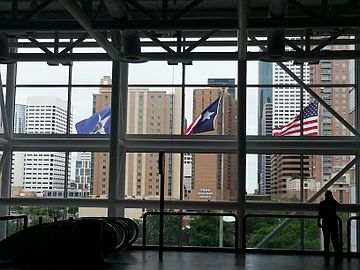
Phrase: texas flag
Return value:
(206, 120)
(98, 123)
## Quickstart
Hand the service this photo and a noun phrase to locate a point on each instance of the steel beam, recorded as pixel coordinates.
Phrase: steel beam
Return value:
(300, 23)
(184, 56)
(86, 23)
(243, 9)
(173, 204)
(190, 144)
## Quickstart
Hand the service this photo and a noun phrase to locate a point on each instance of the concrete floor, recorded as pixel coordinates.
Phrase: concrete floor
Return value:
(175, 260)
(198, 260)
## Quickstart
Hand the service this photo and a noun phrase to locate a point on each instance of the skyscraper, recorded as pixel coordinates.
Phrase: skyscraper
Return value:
(265, 76)
(265, 159)
(224, 81)
(44, 170)
(334, 72)
(149, 112)
(18, 157)
(214, 174)
(83, 171)
(286, 104)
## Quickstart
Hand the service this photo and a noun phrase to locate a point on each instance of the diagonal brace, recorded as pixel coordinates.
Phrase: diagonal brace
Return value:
(36, 9)
(345, 7)
(301, 7)
(293, 45)
(186, 9)
(200, 41)
(319, 99)
(41, 46)
(329, 40)
(83, 19)
(140, 7)
(3, 111)
(158, 42)
(75, 43)
(285, 222)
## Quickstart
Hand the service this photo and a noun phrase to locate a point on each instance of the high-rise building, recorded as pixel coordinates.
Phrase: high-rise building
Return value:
(218, 82)
(19, 118)
(265, 76)
(149, 112)
(17, 182)
(187, 179)
(214, 174)
(265, 159)
(44, 170)
(83, 171)
(334, 72)
(286, 104)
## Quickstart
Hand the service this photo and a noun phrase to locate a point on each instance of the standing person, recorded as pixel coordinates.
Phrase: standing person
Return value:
(328, 221)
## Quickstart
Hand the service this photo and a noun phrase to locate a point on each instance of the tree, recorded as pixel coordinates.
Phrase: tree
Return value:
(172, 230)
(204, 231)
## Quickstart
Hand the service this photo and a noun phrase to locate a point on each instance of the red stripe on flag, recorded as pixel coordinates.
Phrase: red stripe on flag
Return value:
(295, 128)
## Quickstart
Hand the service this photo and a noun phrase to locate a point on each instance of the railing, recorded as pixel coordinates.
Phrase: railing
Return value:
(348, 231)
(288, 217)
(236, 223)
(24, 217)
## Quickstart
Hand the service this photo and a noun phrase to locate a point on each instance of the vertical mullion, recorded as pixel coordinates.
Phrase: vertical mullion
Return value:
(357, 127)
(241, 113)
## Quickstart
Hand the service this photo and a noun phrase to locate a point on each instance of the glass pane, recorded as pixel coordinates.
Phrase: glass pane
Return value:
(210, 177)
(82, 74)
(223, 116)
(40, 111)
(182, 229)
(44, 73)
(143, 178)
(154, 111)
(35, 213)
(295, 234)
(88, 104)
(157, 72)
(38, 174)
(279, 177)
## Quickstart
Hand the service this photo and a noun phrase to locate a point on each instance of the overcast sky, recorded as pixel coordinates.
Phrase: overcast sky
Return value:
(146, 73)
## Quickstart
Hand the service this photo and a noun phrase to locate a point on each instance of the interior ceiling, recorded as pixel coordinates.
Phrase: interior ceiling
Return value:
(158, 15)
(53, 20)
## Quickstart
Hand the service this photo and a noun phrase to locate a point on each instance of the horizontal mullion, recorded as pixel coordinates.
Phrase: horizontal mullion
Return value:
(186, 57)
(178, 85)
(173, 204)
(190, 144)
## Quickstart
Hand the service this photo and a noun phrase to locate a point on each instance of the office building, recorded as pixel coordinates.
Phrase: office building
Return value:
(218, 82)
(83, 178)
(44, 170)
(286, 104)
(213, 174)
(149, 112)
(264, 169)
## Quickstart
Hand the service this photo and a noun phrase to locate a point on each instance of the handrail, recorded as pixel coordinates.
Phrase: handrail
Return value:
(16, 217)
(287, 216)
(192, 214)
(348, 231)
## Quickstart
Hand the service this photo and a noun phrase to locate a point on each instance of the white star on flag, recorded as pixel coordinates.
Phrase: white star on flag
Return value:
(207, 115)
(99, 128)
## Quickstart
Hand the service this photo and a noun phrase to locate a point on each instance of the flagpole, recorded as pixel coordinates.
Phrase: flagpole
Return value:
(221, 221)
(302, 155)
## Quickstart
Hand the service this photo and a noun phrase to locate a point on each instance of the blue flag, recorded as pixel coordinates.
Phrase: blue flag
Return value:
(205, 121)
(98, 123)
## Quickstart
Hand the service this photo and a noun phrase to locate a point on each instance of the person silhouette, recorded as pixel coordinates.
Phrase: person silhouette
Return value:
(328, 222)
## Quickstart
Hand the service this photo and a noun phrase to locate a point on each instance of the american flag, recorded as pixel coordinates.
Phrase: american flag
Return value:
(310, 123)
